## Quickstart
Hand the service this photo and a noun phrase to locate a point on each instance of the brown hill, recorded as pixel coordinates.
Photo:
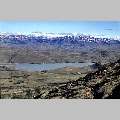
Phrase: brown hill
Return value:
(102, 84)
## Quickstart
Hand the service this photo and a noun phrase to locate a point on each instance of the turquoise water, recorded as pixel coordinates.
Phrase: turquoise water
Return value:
(41, 67)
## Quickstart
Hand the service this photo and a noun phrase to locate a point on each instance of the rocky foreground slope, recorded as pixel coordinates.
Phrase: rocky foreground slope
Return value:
(102, 84)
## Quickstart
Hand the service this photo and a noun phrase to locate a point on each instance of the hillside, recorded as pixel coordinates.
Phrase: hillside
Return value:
(16, 84)
(102, 84)
(17, 55)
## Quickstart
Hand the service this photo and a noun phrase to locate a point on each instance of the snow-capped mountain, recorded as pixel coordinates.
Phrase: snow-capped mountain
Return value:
(58, 40)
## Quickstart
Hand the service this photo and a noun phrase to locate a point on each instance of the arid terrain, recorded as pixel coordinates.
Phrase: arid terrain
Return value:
(103, 82)
(16, 82)
(18, 55)
(67, 82)
(97, 81)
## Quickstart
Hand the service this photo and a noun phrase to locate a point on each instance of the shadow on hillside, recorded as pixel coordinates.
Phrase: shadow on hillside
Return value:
(115, 93)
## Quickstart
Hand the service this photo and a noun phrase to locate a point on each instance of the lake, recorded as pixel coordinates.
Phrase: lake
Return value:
(41, 67)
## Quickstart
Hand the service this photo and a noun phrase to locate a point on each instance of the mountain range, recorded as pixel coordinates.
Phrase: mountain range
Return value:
(76, 41)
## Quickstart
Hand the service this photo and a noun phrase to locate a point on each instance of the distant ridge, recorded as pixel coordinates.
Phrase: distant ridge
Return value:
(58, 41)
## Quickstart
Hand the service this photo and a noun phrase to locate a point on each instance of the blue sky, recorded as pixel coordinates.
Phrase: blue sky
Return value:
(106, 28)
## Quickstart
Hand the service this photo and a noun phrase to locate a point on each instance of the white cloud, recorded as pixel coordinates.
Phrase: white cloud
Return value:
(85, 34)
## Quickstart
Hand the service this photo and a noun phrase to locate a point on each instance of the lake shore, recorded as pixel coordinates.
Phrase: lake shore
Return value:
(41, 67)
